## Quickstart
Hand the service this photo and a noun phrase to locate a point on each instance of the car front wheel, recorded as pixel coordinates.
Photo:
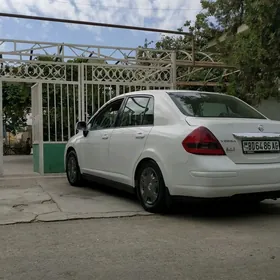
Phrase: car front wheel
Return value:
(73, 170)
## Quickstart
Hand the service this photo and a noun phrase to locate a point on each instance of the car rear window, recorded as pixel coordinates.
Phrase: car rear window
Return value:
(211, 105)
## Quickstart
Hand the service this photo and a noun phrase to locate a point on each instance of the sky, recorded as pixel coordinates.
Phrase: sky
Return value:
(163, 14)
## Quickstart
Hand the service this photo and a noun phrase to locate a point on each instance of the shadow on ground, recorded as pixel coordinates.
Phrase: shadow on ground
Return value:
(105, 190)
(208, 210)
(227, 210)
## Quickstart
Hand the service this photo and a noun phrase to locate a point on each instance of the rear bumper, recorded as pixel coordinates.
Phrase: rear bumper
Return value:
(238, 180)
(266, 191)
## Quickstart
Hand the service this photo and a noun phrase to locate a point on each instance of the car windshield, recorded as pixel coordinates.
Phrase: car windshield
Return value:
(211, 105)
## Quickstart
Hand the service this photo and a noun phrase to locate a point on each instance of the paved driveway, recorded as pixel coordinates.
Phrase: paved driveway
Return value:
(52, 199)
(19, 165)
(241, 245)
(25, 200)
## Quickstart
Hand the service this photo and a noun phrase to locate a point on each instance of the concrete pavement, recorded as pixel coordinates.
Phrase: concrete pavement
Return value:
(187, 246)
(47, 199)
(21, 165)
(25, 200)
(209, 242)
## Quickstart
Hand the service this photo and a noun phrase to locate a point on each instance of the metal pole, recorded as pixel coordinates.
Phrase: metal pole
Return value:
(82, 91)
(41, 129)
(173, 70)
(1, 133)
(79, 94)
(91, 23)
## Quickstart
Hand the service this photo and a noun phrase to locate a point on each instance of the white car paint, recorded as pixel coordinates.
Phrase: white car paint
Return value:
(185, 174)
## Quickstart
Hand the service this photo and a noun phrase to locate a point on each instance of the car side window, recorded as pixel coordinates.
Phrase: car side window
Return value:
(107, 117)
(149, 114)
(137, 111)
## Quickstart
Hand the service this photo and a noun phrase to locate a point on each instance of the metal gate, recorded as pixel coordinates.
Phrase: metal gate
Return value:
(65, 93)
(102, 82)
(61, 102)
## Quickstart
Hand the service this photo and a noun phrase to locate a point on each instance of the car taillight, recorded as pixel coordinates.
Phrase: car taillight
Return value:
(202, 142)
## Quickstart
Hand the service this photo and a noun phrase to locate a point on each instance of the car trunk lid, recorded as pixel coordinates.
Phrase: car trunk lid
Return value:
(245, 141)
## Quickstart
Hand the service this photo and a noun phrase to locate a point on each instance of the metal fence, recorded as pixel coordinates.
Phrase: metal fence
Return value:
(75, 91)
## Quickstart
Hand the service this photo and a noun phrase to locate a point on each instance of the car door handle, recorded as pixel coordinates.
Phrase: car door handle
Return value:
(105, 136)
(140, 135)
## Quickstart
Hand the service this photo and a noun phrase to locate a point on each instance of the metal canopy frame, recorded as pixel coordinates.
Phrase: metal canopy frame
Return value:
(191, 62)
(20, 49)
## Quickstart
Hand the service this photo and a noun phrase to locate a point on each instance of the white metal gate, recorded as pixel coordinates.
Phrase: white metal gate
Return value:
(101, 82)
(61, 111)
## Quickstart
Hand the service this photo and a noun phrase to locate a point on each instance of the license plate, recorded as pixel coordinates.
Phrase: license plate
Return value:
(251, 147)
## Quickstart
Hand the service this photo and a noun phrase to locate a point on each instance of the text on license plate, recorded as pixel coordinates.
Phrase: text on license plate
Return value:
(260, 146)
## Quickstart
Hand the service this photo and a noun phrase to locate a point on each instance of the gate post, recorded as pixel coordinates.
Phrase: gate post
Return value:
(41, 129)
(82, 91)
(117, 90)
(1, 132)
(37, 128)
(173, 70)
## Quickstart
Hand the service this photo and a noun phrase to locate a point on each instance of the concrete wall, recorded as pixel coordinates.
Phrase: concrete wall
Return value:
(36, 158)
(53, 157)
(270, 108)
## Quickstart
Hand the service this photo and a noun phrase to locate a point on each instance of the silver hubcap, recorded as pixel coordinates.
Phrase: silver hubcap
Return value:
(72, 168)
(149, 185)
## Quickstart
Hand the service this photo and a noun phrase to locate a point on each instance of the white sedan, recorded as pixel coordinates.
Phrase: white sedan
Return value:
(166, 144)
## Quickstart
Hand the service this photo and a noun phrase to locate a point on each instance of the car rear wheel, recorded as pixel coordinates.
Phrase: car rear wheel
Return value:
(73, 170)
(151, 189)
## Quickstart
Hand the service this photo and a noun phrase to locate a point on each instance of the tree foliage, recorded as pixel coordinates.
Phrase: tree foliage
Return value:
(254, 52)
(16, 104)
(204, 30)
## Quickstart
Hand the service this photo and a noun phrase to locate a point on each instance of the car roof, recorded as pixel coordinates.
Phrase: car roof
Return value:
(192, 91)
(156, 92)
(162, 91)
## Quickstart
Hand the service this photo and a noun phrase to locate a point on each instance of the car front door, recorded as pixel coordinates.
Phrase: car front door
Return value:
(96, 143)
(129, 137)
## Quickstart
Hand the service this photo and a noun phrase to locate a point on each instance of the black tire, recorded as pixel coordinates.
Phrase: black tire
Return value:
(74, 179)
(162, 202)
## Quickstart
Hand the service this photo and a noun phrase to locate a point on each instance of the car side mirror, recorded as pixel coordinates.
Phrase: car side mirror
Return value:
(82, 126)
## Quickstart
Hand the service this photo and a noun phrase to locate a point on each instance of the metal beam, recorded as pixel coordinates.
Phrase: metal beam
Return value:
(22, 48)
(91, 23)
(204, 64)
(201, 83)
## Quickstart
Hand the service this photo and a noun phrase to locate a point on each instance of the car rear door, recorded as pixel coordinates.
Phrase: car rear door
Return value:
(129, 137)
